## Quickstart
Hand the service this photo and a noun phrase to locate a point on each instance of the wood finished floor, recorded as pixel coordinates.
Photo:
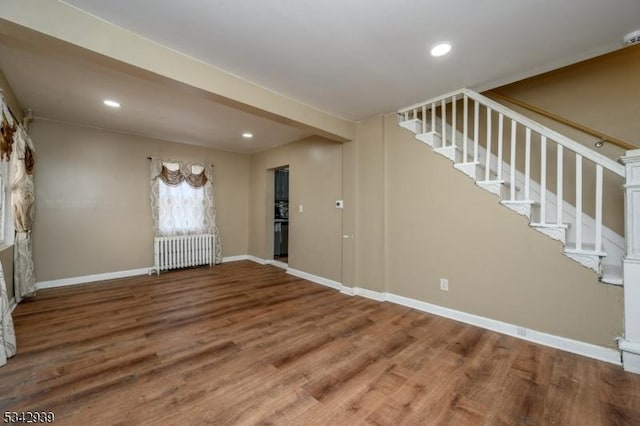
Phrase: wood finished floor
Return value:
(248, 344)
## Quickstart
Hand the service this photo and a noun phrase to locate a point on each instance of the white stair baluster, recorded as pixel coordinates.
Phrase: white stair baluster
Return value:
(443, 117)
(476, 129)
(578, 202)
(465, 127)
(453, 123)
(487, 169)
(500, 123)
(512, 171)
(424, 119)
(543, 179)
(433, 117)
(598, 238)
(406, 115)
(559, 177)
(527, 164)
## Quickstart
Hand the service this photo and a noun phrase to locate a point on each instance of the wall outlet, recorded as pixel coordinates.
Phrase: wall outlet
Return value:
(521, 331)
(444, 284)
(300, 208)
(339, 204)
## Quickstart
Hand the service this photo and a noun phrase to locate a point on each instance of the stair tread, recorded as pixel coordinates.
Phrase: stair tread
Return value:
(587, 248)
(519, 202)
(442, 148)
(491, 181)
(611, 274)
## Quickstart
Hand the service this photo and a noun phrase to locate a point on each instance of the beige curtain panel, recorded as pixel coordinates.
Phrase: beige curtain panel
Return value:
(183, 200)
(22, 201)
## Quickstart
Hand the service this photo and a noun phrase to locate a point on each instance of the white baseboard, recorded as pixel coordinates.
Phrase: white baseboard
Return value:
(235, 258)
(569, 345)
(601, 353)
(92, 278)
(278, 264)
(315, 278)
(364, 292)
(256, 259)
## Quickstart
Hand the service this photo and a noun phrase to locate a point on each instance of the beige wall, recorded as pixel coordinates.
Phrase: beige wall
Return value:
(92, 199)
(370, 199)
(601, 93)
(315, 182)
(441, 226)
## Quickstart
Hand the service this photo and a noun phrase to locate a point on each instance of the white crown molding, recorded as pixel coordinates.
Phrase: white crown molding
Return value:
(92, 278)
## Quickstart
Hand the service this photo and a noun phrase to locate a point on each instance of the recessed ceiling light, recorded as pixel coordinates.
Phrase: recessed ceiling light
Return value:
(440, 49)
(112, 104)
(247, 135)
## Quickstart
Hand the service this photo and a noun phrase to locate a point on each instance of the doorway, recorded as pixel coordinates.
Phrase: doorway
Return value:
(281, 215)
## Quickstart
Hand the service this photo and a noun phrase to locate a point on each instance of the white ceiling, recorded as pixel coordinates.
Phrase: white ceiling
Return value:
(71, 87)
(350, 58)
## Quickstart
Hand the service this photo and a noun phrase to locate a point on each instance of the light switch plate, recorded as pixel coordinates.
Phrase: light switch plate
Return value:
(339, 204)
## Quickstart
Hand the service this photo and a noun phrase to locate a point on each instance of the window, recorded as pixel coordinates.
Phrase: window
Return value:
(181, 209)
(182, 200)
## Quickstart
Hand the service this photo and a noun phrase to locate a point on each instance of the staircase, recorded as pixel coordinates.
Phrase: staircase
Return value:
(532, 169)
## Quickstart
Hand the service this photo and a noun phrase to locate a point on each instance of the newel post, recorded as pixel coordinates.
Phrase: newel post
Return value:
(630, 344)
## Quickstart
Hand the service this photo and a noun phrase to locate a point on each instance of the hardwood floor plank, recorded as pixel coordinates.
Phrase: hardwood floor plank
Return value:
(242, 343)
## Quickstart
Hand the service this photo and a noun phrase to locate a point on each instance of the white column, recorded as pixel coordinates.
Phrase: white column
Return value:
(630, 344)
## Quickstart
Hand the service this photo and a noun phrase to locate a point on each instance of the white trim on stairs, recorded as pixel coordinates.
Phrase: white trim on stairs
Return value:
(613, 243)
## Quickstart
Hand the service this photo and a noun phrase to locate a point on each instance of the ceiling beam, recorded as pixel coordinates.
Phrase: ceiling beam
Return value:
(74, 26)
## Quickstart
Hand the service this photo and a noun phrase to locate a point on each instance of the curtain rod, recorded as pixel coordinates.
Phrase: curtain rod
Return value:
(150, 158)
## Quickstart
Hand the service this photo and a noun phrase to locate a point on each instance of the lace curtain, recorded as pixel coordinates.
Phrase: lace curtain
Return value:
(182, 200)
(22, 201)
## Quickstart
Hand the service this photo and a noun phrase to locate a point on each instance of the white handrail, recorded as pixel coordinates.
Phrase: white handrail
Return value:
(430, 101)
(550, 134)
(560, 139)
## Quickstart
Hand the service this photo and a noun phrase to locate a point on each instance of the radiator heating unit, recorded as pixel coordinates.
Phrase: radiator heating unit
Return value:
(183, 251)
